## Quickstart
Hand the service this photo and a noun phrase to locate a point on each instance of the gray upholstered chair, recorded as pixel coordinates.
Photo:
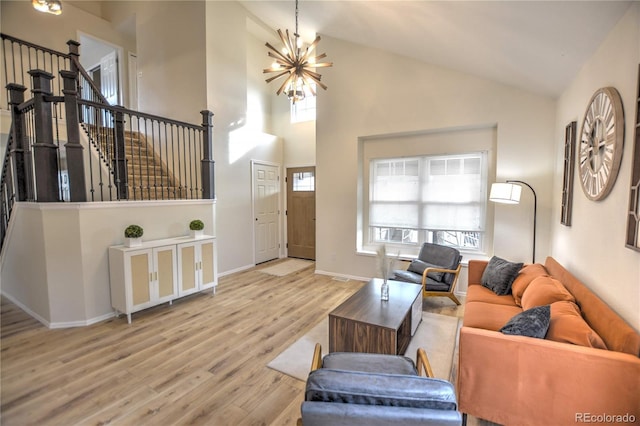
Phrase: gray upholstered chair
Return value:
(436, 269)
(348, 388)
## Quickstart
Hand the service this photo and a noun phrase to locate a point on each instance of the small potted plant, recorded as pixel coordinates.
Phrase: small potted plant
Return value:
(196, 227)
(133, 235)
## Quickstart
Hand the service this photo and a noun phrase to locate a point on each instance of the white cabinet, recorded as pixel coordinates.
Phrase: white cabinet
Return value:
(160, 271)
(197, 266)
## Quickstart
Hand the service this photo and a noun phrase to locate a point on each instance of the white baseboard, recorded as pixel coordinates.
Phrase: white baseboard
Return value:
(351, 277)
(85, 323)
(233, 271)
(52, 325)
(27, 310)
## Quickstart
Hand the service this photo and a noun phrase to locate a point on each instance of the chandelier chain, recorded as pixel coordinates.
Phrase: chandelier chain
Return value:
(296, 33)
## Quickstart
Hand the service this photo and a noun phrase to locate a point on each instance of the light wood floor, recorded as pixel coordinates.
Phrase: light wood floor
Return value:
(200, 361)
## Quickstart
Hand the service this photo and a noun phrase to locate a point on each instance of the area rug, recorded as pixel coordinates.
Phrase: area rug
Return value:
(286, 267)
(436, 334)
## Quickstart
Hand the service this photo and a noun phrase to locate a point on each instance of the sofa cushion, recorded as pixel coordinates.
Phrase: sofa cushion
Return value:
(527, 274)
(418, 266)
(567, 325)
(478, 293)
(545, 291)
(353, 387)
(499, 275)
(488, 316)
(533, 322)
(617, 334)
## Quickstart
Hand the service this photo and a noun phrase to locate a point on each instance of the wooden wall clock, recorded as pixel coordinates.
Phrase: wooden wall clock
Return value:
(601, 143)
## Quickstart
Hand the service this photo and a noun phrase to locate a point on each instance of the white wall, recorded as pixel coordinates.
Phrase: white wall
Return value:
(171, 59)
(241, 108)
(394, 94)
(299, 138)
(19, 19)
(56, 263)
(592, 248)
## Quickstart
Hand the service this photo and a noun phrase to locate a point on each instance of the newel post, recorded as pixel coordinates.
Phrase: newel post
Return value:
(74, 54)
(21, 187)
(207, 164)
(75, 154)
(45, 152)
(119, 159)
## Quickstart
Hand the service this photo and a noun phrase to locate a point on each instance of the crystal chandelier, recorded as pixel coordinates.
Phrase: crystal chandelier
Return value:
(296, 64)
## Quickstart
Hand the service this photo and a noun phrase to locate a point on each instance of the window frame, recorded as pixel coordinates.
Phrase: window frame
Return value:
(304, 110)
(369, 242)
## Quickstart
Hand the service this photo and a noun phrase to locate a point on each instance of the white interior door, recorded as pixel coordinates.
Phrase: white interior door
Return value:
(266, 199)
(109, 77)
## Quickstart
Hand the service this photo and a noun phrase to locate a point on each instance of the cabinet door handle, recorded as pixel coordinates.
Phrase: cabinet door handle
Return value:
(155, 276)
(150, 276)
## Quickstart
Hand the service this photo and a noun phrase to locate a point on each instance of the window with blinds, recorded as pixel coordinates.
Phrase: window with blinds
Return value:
(439, 199)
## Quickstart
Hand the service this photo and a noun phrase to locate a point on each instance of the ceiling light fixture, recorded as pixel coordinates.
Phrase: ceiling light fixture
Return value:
(298, 64)
(49, 6)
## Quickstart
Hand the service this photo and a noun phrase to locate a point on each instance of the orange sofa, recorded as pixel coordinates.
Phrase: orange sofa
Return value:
(569, 377)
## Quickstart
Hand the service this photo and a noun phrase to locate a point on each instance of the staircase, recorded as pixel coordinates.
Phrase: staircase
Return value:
(148, 176)
(130, 155)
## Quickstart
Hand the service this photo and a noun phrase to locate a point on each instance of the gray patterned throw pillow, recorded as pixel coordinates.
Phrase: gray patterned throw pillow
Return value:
(533, 322)
(499, 275)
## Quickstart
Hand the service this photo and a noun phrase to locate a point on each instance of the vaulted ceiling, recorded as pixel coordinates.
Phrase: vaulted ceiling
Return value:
(535, 45)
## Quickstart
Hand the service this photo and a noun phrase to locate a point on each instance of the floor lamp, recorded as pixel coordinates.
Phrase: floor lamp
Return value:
(508, 193)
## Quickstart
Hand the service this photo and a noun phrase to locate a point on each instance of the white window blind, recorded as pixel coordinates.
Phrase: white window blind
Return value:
(445, 192)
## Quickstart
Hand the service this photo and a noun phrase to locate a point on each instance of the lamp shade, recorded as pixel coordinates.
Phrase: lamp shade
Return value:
(506, 193)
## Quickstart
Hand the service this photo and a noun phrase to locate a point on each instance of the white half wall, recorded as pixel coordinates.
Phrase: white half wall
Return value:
(592, 248)
(55, 262)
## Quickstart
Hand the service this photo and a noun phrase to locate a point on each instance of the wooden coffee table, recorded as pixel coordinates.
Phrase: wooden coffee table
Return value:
(364, 323)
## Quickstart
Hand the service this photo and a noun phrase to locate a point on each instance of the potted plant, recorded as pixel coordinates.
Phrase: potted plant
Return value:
(196, 227)
(133, 235)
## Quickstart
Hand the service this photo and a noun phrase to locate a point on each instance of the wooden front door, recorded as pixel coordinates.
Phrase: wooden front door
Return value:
(301, 212)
